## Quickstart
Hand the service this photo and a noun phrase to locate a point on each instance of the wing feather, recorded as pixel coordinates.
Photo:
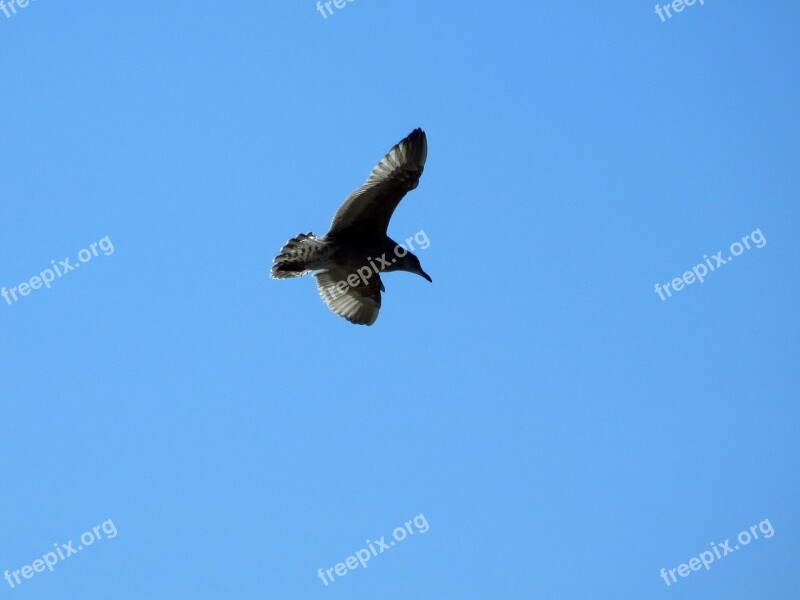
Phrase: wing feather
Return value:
(371, 206)
(358, 304)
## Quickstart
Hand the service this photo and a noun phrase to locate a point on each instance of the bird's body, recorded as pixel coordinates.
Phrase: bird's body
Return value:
(347, 261)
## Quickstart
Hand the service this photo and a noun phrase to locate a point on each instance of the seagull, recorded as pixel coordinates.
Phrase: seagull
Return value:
(347, 261)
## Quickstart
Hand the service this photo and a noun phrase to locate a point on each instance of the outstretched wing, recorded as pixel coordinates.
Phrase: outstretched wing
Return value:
(370, 207)
(358, 304)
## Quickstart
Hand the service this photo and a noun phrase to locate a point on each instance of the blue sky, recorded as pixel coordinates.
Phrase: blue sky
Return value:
(563, 431)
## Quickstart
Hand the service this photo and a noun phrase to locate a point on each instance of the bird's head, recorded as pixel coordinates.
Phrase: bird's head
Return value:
(409, 262)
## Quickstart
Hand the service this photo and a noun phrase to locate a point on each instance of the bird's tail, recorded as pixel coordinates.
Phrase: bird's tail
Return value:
(297, 256)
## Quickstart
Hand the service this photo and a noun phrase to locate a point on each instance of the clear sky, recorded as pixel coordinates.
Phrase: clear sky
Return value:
(556, 428)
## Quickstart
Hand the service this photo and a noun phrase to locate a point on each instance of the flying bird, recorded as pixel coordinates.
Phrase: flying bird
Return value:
(347, 261)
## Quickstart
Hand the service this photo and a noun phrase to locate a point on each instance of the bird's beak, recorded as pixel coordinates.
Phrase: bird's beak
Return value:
(425, 275)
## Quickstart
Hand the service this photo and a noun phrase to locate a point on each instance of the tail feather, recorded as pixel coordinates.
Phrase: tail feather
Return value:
(297, 256)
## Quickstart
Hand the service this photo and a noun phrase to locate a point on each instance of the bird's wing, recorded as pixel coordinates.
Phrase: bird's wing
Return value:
(370, 207)
(358, 304)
